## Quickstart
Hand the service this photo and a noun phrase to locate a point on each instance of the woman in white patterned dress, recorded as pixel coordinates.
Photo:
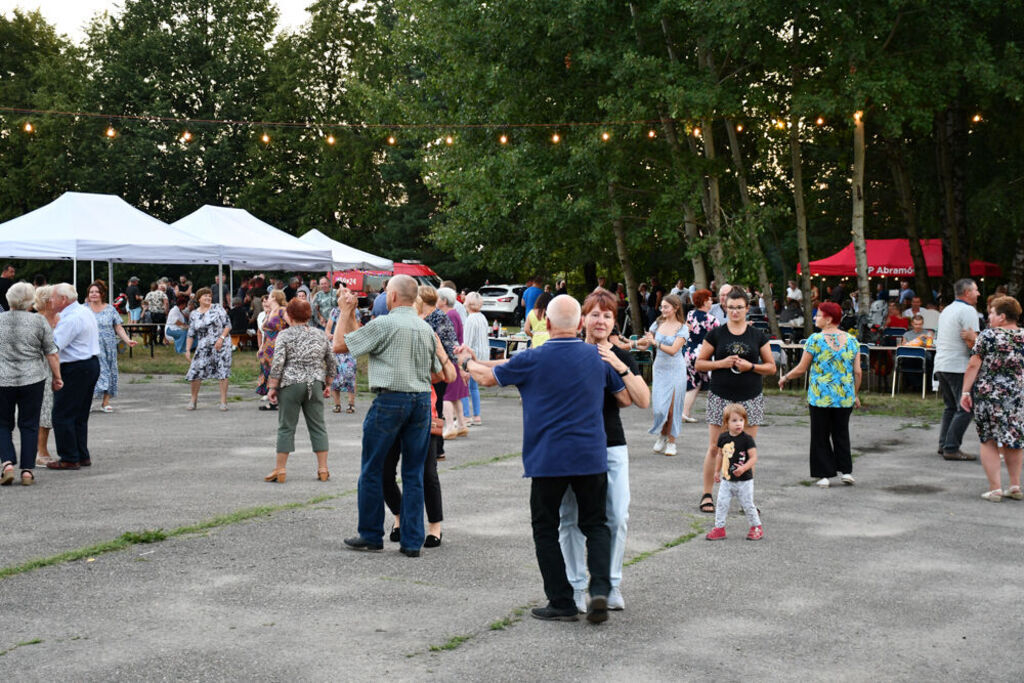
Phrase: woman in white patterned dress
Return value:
(209, 326)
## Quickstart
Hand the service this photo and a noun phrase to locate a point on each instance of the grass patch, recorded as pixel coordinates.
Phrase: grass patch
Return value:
(697, 527)
(489, 461)
(806, 482)
(514, 618)
(24, 643)
(453, 642)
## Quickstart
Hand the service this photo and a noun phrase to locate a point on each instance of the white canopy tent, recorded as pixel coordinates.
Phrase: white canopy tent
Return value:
(80, 226)
(246, 242)
(346, 257)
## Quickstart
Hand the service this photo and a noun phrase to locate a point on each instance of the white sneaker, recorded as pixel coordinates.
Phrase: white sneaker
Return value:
(823, 483)
(848, 479)
(615, 601)
(579, 596)
(691, 420)
(670, 448)
(659, 444)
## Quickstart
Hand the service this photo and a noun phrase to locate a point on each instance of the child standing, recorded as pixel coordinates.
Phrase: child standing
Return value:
(734, 464)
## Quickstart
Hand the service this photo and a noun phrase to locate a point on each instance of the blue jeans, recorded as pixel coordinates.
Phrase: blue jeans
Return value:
(180, 336)
(393, 416)
(474, 395)
(617, 509)
(135, 314)
(28, 400)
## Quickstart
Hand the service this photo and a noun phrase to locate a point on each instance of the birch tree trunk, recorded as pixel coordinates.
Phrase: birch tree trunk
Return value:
(619, 229)
(860, 247)
(800, 211)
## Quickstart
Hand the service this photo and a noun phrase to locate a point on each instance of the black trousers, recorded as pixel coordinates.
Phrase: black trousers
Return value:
(431, 482)
(439, 390)
(830, 442)
(28, 400)
(546, 495)
(71, 409)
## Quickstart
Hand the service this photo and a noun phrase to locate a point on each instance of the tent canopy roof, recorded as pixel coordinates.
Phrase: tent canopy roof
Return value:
(346, 257)
(891, 258)
(99, 227)
(246, 242)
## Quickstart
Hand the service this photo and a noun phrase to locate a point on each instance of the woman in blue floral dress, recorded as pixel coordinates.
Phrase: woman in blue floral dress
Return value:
(108, 320)
(832, 357)
(209, 327)
(700, 321)
(996, 374)
(345, 380)
(668, 374)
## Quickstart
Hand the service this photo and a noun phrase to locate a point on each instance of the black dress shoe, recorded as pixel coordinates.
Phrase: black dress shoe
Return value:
(432, 541)
(597, 610)
(550, 613)
(62, 465)
(395, 534)
(409, 553)
(360, 543)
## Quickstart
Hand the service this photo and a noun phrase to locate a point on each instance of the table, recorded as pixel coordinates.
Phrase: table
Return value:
(504, 347)
(794, 358)
(147, 330)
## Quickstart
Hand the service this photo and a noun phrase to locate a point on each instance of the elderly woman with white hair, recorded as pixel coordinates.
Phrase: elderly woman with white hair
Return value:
(26, 349)
(455, 422)
(43, 308)
(474, 336)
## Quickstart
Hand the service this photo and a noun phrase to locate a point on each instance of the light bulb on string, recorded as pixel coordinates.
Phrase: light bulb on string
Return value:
(503, 139)
(111, 133)
(976, 118)
(28, 127)
(330, 140)
(391, 140)
(556, 138)
(739, 127)
(651, 134)
(696, 132)
(820, 121)
(857, 116)
(780, 124)
(605, 136)
(265, 139)
(186, 136)
(449, 140)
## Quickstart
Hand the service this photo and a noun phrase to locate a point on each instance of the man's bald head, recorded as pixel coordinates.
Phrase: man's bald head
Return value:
(723, 293)
(563, 315)
(404, 289)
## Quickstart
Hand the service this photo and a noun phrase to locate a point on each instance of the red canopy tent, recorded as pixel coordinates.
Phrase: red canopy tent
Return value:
(891, 258)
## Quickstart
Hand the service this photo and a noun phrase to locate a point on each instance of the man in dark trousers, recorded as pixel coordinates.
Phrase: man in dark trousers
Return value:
(562, 384)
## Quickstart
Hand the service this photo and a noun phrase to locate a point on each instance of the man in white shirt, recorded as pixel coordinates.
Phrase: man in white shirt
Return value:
(793, 292)
(954, 339)
(718, 309)
(78, 340)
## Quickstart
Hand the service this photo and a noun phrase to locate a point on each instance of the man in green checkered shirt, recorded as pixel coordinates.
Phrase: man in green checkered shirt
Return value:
(403, 352)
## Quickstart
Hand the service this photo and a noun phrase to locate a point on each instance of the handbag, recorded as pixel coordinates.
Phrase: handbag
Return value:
(436, 426)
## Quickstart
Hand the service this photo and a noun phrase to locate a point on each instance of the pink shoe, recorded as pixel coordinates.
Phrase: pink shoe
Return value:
(756, 533)
(716, 534)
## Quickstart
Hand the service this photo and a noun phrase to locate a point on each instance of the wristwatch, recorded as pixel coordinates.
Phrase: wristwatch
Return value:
(624, 372)
(465, 362)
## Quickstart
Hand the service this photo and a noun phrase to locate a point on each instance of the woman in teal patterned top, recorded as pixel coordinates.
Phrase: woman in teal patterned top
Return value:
(832, 357)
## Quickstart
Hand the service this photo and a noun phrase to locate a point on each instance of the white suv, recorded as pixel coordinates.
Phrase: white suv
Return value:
(502, 302)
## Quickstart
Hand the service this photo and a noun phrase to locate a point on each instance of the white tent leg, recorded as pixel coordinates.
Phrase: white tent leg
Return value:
(220, 281)
(231, 282)
(92, 271)
(110, 282)
(74, 273)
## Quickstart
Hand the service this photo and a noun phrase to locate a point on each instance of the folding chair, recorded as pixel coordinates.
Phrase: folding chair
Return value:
(891, 336)
(913, 360)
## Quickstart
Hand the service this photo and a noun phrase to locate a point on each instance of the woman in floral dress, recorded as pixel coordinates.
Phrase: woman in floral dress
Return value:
(209, 327)
(345, 380)
(700, 321)
(272, 325)
(996, 373)
(108, 320)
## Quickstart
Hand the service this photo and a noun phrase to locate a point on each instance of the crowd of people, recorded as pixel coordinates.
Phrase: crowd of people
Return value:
(428, 355)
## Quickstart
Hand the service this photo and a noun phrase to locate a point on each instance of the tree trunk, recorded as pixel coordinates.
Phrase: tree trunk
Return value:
(619, 229)
(860, 247)
(950, 161)
(894, 152)
(590, 275)
(700, 275)
(755, 240)
(714, 207)
(1016, 283)
(801, 220)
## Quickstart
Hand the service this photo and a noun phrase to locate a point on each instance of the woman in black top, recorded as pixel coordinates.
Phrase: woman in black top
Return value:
(737, 354)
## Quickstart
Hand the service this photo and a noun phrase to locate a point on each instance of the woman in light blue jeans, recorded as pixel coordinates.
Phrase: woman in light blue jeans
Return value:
(599, 313)
(475, 337)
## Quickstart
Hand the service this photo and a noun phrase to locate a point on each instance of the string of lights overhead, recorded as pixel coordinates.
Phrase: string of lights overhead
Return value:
(186, 135)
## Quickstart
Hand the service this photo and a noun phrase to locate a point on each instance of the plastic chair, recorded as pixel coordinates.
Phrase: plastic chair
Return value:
(865, 362)
(913, 360)
(761, 325)
(891, 336)
(779, 354)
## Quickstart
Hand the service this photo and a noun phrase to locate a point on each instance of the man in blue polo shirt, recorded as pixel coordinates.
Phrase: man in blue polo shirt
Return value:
(562, 384)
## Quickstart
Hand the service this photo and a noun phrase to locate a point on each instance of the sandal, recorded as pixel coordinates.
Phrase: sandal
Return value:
(323, 475)
(351, 408)
(337, 408)
(707, 504)
(1014, 493)
(8, 475)
(993, 496)
(27, 478)
(277, 475)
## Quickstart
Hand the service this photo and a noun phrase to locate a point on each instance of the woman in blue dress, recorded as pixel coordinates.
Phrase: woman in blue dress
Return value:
(209, 327)
(668, 334)
(345, 380)
(108, 320)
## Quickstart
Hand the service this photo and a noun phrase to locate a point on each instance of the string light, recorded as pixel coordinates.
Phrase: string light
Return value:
(186, 136)
(976, 118)
(605, 136)
(391, 140)
(330, 140)
(696, 132)
(780, 124)
(857, 115)
(265, 139)
(503, 139)
(28, 127)
(111, 133)
(556, 138)
(739, 127)
(820, 121)
(651, 134)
